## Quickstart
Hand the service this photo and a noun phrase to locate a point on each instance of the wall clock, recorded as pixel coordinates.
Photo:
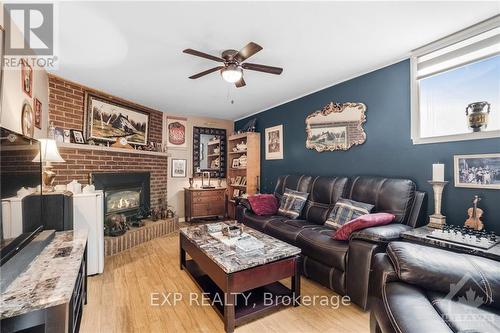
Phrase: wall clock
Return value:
(27, 120)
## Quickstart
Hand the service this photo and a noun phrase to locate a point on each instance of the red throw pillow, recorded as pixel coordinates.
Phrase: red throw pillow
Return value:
(362, 222)
(264, 204)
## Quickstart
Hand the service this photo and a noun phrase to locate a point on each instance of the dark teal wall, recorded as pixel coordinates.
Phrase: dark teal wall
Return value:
(388, 150)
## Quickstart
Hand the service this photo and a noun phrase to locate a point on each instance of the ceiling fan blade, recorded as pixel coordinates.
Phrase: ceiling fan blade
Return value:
(262, 68)
(208, 71)
(240, 83)
(203, 55)
(249, 50)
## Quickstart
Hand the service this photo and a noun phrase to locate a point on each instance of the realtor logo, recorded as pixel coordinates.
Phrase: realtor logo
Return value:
(34, 31)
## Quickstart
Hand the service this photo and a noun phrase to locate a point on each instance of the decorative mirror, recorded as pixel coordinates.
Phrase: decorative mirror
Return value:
(209, 151)
(336, 127)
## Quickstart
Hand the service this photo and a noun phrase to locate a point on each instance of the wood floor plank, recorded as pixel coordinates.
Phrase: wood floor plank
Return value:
(119, 300)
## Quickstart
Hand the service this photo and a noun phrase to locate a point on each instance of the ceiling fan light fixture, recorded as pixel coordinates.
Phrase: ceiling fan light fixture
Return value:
(232, 73)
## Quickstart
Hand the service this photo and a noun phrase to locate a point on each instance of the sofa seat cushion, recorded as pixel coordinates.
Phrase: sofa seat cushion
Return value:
(287, 230)
(258, 222)
(318, 244)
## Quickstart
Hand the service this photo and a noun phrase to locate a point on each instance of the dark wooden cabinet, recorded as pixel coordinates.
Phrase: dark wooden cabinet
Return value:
(199, 203)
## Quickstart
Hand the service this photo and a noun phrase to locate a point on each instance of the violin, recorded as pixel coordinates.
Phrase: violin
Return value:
(475, 213)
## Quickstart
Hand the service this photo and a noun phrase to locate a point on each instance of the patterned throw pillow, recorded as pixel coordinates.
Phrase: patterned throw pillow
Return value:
(346, 210)
(291, 203)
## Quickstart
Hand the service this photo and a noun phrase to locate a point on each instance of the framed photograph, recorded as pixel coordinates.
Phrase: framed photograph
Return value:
(77, 136)
(67, 136)
(237, 181)
(27, 77)
(477, 171)
(236, 193)
(178, 168)
(27, 120)
(243, 181)
(327, 129)
(274, 143)
(38, 113)
(176, 132)
(59, 134)
(107, 120)
(235, 163)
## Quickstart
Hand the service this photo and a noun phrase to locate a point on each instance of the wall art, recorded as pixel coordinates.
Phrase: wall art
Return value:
(274, 142)
(176, 132)
(477, 171)
(336, 127)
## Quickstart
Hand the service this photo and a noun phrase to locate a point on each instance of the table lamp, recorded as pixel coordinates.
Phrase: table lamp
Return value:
(48, 154)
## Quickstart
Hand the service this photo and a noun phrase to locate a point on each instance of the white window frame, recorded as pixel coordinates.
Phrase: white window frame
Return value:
(479, 28)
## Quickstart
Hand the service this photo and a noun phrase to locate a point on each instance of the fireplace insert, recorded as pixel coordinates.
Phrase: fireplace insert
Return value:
(124, 193)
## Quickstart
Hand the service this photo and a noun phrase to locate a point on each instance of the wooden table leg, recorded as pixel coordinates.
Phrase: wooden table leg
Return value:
(229, 315)
(182, 254)
(296, 284)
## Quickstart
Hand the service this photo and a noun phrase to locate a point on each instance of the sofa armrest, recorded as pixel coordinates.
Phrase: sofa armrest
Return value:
(242, 208)
(384, 234)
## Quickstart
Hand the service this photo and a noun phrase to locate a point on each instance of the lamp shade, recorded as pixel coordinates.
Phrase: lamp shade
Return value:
(48, 151)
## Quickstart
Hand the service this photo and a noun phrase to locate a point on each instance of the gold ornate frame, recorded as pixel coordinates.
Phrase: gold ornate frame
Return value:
(337, 108)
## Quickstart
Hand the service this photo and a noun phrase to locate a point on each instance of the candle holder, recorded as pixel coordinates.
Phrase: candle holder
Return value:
(437, 220)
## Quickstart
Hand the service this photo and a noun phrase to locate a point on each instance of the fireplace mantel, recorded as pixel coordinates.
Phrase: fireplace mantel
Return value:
(111, 149)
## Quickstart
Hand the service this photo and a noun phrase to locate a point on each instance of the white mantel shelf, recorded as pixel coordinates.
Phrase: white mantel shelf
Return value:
(110, 149)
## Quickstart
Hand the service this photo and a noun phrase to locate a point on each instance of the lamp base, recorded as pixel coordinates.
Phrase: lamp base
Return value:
(48, 177)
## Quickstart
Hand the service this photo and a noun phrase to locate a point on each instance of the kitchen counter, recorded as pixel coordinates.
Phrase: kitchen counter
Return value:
(50, 279)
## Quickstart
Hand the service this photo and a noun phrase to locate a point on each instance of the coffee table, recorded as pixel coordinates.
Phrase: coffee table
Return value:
(241, 285)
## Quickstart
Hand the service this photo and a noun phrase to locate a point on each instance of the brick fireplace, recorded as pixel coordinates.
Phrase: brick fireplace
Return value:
(66, 110)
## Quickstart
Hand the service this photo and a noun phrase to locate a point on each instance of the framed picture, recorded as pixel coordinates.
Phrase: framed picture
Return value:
(27, 120)
(59, 134)
(274, 143)
(38, 113)
(106, 120)
(243, 181)
(327, 129)
(477, 171)
(235, 163)
(77, 136)
(27, 77)
(67, 136)
(236, 193)
(237, 181)
(178, 168)
(176, 132)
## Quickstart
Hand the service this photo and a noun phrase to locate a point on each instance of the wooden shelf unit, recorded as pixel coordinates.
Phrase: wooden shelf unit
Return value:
(251, 171)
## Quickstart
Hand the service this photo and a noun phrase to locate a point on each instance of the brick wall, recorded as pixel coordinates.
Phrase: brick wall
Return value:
(81, 162)
(67, 103)
(66, 110)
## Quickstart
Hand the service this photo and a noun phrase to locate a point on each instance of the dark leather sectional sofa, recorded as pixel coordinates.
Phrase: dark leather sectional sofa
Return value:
(343, 266)
(419, 289)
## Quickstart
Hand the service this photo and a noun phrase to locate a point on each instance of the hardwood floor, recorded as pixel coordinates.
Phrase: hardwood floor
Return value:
(119, 300)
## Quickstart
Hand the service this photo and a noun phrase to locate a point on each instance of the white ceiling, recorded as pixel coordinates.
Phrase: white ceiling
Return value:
(134, 49)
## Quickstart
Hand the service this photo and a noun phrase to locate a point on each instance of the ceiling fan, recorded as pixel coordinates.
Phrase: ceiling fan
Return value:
(233, 64)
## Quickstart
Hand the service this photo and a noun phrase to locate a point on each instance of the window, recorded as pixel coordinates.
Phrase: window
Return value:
(456, 86)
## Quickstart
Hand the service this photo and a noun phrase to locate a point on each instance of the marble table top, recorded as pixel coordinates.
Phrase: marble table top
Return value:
(232, 259)
(420, 235)
(50, 278)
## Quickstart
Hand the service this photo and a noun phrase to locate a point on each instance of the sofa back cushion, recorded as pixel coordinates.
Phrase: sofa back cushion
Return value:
(324, 193)
(453, 274)
(388, 195)
(299, 183)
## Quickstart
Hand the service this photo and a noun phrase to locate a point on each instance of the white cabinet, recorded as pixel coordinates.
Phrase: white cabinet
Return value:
(88, 214)
(12, 217)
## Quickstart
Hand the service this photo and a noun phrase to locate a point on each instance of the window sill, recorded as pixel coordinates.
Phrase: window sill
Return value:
(457, 137)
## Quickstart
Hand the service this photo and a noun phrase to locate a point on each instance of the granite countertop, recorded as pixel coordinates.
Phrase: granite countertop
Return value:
(229, 257)
(49, 279)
